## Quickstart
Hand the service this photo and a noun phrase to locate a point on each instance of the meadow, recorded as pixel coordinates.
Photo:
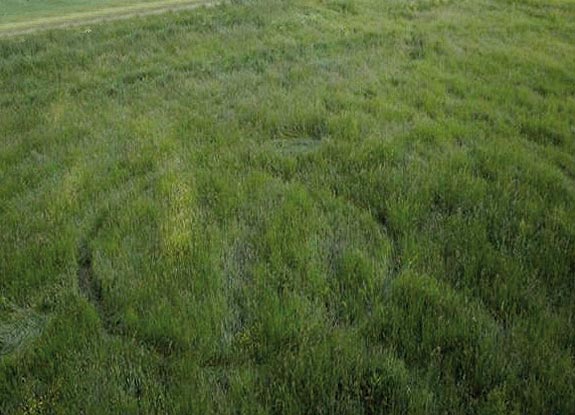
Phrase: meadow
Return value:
(13, 11)
(291, 207)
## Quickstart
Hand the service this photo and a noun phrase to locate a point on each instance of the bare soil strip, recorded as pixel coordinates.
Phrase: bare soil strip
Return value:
(100, 16)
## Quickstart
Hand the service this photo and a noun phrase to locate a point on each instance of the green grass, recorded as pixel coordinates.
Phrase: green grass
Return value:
(304, 207)
(16, 11)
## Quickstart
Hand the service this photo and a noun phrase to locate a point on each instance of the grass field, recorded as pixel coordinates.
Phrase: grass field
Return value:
(16, 11)
(31, 17)
(303, 207)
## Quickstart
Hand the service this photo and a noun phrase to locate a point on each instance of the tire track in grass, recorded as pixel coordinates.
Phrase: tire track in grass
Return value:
(88, 283)
(91, 288)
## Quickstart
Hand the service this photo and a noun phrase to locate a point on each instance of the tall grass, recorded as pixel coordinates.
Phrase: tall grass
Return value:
(292, 207)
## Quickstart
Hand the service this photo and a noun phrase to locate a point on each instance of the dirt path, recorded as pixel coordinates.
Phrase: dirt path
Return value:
(100, 16)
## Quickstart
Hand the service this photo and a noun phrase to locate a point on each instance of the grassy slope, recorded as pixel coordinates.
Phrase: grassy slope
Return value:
(12, 11)
(292, 207)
